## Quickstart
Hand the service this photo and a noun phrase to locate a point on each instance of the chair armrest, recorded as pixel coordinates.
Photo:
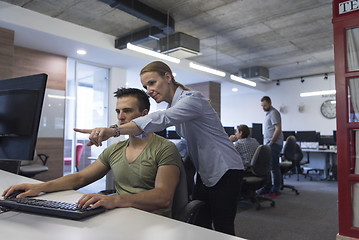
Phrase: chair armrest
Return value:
(107, 192)
(190, 211)
(43, 157)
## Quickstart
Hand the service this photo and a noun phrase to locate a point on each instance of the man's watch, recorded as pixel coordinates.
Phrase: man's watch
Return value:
(117, 130)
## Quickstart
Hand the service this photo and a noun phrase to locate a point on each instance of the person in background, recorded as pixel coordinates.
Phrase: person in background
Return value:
(273, 136)
(219, 166)
(146, 171)
(245, 145)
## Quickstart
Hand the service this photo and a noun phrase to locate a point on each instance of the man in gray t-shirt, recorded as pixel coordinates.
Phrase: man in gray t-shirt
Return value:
(273, 136)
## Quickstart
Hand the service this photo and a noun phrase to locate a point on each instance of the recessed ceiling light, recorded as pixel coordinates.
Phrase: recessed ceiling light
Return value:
(234, 89)
(81, 52)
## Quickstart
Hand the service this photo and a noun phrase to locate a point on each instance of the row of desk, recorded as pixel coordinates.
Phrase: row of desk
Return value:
(329, 158)
(120, 223)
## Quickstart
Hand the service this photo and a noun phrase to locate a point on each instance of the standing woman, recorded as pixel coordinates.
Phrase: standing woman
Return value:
(218, 164)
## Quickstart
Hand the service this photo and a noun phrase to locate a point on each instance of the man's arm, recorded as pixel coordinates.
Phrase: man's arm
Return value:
(72, 181)
(277, 131)
(157, 198)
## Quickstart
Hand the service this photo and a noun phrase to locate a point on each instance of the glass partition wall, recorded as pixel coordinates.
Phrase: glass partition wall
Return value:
(86, 107)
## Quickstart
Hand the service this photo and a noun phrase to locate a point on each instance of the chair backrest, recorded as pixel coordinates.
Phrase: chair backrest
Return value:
(180, 198)
(29, 162)
(292, 151)
(79, 150)
(261, 161)
(183, 209)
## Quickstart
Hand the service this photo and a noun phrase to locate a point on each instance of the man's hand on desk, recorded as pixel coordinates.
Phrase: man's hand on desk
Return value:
(30, 190)
(96, 200)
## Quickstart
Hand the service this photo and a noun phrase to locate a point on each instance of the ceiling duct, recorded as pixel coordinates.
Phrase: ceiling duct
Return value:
(255, 74)
(180, 45)
(160, 23)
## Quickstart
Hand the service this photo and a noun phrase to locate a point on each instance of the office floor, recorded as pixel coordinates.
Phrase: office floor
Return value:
(311, 215)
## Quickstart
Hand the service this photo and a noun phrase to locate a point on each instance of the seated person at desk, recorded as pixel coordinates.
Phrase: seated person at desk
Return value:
(245, 145)
(146, 170)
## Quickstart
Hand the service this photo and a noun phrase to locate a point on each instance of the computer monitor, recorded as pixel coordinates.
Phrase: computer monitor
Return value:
(21, 102)
(286, 134)
(172, 135)
(229, 130)
(307, 136)
(162, 133)
(257, 132)
(327, 140)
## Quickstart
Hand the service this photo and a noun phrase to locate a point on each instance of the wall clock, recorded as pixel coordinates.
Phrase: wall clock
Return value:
(328, 109)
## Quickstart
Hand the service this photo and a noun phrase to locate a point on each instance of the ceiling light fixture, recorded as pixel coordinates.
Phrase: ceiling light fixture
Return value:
(207, 69)
(234, 89)
(152, 53)
(81, 52)
(242, 80)
(318, 93)
(60, 97)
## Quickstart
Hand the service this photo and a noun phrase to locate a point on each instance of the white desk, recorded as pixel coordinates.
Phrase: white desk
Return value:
(329, 160)
(121, 223)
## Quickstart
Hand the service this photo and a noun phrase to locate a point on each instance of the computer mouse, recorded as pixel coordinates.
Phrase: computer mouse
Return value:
(14, 194)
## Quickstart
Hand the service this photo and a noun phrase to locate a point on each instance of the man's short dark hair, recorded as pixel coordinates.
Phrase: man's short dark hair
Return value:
(244, 129)
(142, 97)
(267, 99)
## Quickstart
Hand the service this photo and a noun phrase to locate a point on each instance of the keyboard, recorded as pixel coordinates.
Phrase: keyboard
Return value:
(51, 208)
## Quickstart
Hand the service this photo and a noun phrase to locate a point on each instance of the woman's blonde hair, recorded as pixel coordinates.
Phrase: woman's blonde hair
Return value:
(162, 68)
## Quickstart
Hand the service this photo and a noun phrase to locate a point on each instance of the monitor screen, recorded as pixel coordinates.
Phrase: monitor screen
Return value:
(172, 135)
(162, 133)
(21, 102)
(327, 140)
(16, 110)
(307, 136)
(286, 134)
(229, 130)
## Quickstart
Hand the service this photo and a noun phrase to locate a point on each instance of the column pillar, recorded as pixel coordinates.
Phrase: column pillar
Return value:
(6, 53)
(212, 91)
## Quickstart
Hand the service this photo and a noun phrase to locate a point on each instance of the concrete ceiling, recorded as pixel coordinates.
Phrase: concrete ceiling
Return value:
(290, 38)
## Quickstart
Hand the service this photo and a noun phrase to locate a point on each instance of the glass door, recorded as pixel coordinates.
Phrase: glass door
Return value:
(346, 52)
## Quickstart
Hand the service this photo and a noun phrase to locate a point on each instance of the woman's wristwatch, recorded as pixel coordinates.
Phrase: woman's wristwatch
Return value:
(117, 130)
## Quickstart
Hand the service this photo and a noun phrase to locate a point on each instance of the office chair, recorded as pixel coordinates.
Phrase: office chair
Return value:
(79, 150)
(184, 209)
(31, 168)
(255, 176)
(190, 171)
(293, 155)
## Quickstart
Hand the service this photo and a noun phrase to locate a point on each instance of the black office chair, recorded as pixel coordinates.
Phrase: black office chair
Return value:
(291, 161)
(255, 176)
(31, 168)
(184, 209)
(190, 174)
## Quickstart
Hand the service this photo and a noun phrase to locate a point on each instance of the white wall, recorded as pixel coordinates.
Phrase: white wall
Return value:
(244, 107)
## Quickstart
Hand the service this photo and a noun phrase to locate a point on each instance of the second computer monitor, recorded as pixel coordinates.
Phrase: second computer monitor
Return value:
(229, 130)
(307, 136)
